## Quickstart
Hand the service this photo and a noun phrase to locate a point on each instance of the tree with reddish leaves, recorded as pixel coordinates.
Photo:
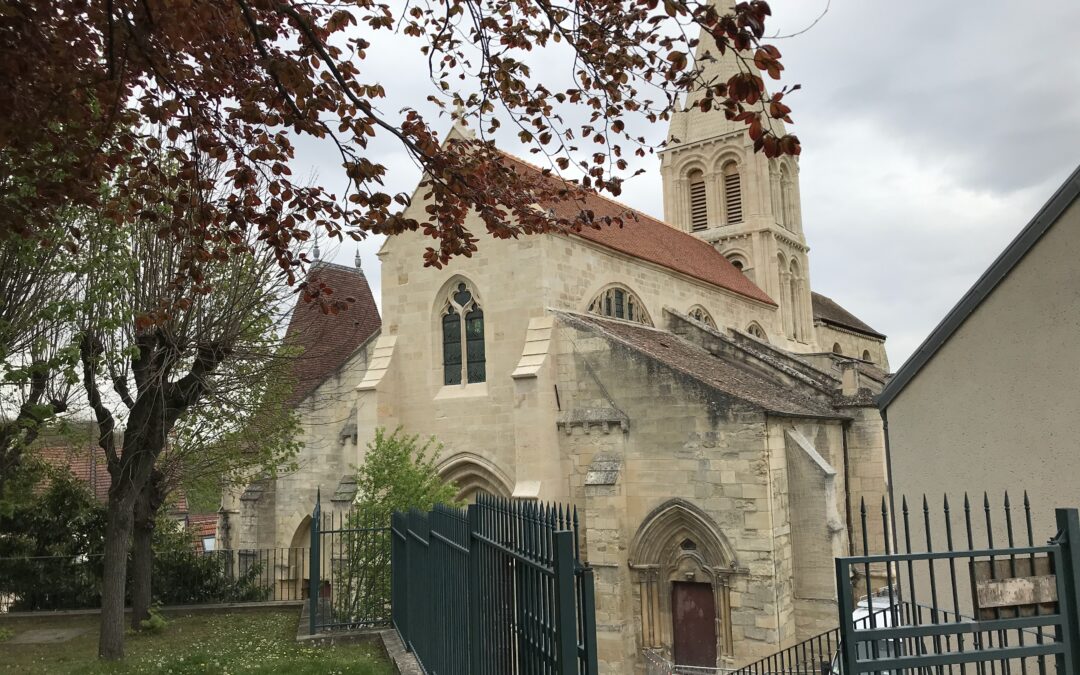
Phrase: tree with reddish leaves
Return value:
(129, 109)
(95, 88)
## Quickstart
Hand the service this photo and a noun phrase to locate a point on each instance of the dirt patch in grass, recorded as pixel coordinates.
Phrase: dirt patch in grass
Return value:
(233, 642)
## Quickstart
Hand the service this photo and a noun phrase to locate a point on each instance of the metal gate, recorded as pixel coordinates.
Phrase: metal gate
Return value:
(499, 588)
(970, 606)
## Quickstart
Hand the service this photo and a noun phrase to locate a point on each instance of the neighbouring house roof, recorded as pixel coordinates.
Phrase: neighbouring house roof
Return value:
(328, 340)
(998, 270)
(827, 311)
(202, 526)
(706, 368)
(646, 238)
(87, 464)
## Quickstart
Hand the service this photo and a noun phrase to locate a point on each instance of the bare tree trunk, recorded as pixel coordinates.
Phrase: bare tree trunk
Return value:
(117, 534)
(147, 505)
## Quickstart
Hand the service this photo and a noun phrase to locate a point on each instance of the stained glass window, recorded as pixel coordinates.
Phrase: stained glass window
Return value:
(464, 358)
(619, 303)
(451, 323)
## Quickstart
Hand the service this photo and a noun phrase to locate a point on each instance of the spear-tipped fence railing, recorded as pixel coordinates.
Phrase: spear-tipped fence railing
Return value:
(498, 588)
(967, 592)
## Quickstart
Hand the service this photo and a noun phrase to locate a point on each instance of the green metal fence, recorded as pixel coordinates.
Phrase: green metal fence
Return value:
(496, 589)
(965, 604)
(349, 582)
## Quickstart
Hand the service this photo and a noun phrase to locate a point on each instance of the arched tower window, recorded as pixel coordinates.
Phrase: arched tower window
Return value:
(619, 302)
(757, 331)
(464, 360)
(837, 349)
(699, 207)
(701, 315)
(866, 356)
(732, 194)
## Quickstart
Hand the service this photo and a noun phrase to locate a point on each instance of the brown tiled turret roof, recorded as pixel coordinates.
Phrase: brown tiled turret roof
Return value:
(326, 341)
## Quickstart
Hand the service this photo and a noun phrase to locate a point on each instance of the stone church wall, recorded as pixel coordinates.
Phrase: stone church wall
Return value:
(852, 344)
(577, 271)
(683, 443)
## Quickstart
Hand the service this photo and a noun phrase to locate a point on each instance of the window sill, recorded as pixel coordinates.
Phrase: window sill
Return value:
(454, 391)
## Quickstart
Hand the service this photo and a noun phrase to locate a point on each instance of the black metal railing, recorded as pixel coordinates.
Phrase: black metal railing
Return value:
(979, 598)
(31, 583)
(349, 584)
(498, 588)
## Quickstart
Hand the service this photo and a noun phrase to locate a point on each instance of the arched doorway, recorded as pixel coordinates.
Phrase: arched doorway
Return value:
(473, 474)
(684, 566)
(298, 561)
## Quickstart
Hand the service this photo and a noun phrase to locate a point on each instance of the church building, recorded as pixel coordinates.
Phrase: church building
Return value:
(711, 417)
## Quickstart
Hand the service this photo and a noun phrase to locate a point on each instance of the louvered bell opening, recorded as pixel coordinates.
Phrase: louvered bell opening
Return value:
(699, 212)
(733, 198)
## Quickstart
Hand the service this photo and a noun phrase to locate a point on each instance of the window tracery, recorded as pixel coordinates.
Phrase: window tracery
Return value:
(700, 314)
(618, 302)
(757, 331)
(464, 358)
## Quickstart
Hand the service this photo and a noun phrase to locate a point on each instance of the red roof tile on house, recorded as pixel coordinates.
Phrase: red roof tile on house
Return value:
(201, 527)
(327, 340)
(87, 463)
(646, 238)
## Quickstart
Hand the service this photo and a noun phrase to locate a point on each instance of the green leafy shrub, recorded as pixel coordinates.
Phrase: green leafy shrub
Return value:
(156, 623)
(51, 546)
(399, 473)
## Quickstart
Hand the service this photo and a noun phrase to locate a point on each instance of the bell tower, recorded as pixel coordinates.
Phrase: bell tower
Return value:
(743, 203)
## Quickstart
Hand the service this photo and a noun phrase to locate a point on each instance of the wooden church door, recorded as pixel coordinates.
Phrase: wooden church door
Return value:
(693, 617)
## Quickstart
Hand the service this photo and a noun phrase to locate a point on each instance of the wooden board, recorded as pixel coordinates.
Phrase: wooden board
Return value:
(1011, 587)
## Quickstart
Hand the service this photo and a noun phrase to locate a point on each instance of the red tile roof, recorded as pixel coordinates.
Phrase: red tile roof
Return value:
(202, 526)
(86, 463)
(327, 340)
(647, 238)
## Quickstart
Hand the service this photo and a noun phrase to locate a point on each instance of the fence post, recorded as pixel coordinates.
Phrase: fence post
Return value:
(565, 611)
(1068, 522)
(315, 565)
(588, 621)
(848, 646)
(473, 592)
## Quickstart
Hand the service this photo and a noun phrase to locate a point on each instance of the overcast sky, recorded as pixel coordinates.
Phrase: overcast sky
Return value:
(932, 132)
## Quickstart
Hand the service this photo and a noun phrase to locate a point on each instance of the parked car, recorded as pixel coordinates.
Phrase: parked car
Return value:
(880, 607)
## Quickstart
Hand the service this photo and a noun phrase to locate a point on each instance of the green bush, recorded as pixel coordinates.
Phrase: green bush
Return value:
(51, 548)
(399, 473)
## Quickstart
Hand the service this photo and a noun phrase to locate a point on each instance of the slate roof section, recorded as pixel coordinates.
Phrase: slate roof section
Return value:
(1049, 214)
(712, 371)
(328, 340)
(827, 311)
(646, 238)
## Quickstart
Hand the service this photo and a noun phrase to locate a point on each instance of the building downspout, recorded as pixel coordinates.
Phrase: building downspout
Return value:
(889, 477)
(847, 489)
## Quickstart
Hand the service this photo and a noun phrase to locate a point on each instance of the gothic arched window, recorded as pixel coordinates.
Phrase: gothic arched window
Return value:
(464, 360)
(699, 207)
(837, 349)
(732, 194)
(757, 331)
(701, 315)
(619, 303)
(866, 356)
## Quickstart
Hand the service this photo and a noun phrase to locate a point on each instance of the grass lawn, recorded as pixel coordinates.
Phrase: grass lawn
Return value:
(238, 642)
